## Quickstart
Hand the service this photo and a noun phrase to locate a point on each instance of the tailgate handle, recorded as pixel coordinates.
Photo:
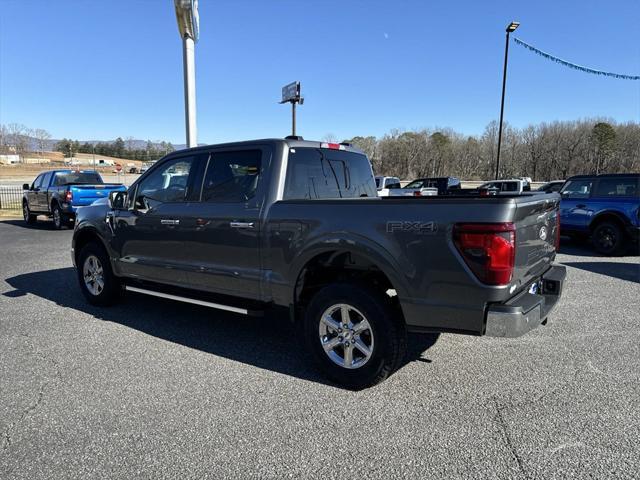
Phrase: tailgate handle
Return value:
(241, 224)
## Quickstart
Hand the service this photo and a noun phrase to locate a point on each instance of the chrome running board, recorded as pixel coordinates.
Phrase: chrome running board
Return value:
(218, 306)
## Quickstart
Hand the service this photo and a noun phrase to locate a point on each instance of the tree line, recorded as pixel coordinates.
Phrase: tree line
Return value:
(545, 151)
(118, 148)
(19, 139)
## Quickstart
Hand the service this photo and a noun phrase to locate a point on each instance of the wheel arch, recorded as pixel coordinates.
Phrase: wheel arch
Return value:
(608, 215)
(84, 236)
(357, 265)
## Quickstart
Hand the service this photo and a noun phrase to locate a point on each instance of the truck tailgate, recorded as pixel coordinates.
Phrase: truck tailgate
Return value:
(87, 194)
(537, 231)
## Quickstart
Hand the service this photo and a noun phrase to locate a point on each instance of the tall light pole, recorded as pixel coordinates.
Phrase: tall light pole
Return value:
(510, 28)
(188, 26)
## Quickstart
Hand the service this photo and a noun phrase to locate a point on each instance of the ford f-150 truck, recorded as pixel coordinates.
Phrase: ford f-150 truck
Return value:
(59, 193)
(252, 226)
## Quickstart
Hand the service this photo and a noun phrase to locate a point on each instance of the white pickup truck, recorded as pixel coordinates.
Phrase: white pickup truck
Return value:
(390, 187)
(513, 186)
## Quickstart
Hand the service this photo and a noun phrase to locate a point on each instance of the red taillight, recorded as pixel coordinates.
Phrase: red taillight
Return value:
(489, 249)
(68, 196)
(417, 193)
(558, 231)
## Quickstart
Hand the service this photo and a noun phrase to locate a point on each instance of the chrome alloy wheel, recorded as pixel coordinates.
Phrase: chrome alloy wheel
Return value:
(93, 275)
(346, 336)
(25, 211)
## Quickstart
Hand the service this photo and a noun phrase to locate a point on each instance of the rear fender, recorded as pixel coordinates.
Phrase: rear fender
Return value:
(350, 243)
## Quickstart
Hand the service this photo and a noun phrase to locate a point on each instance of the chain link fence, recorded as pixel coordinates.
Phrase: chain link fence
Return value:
(10, 197)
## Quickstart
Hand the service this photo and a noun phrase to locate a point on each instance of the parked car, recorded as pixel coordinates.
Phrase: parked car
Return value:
(513, 186)
(59, 193)
(552, 186)
(604, 207)
(254, 226)
(145, 166)
(443, 185)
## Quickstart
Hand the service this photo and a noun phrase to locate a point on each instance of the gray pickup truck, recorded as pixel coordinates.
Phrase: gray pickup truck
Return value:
(252, 226)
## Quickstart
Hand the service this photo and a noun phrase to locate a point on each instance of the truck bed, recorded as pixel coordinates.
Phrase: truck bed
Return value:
(412, 237)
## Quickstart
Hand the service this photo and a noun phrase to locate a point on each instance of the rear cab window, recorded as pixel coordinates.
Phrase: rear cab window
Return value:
(77, 178)
(315, 173)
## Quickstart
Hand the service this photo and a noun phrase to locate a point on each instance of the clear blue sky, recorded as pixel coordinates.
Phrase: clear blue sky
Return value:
(101, 69)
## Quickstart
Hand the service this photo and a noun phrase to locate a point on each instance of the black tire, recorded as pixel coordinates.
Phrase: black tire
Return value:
(387, 332)
(57, 217)
(111, 290)
(29, 218)
(609, 239)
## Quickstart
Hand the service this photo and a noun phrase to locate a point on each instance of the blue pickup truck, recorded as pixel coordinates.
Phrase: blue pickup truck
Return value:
(59, 193)
(605, 207)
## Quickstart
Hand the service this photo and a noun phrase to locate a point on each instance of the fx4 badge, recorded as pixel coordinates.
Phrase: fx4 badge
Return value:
(421, 228)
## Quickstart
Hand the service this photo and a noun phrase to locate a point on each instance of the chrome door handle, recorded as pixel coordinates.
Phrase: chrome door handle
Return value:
(241, 224)
(165, 221)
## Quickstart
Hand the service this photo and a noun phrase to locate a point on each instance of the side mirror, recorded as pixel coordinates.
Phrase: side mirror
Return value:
(25, 186)
(118, 200)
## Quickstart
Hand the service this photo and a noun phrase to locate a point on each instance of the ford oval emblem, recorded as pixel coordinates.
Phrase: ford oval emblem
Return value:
(543, 233)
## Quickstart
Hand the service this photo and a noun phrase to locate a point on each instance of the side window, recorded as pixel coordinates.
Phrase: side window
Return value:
(37, 182)
(617, 187)
(510, 187)
(577, 188)
(394, 185)
(167, 183)
(232, 176)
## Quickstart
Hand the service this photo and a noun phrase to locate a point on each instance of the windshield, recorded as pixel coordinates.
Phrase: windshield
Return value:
(415, 184)
(82, 178)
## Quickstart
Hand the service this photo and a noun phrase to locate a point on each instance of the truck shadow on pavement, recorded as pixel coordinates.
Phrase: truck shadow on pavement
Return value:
(43, 223)
(622, 271)
(263, 342)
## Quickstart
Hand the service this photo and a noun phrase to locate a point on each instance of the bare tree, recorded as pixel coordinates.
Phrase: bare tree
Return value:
(42, 139)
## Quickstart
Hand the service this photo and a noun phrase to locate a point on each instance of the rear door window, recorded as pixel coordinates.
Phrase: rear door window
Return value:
(46, 179)
(617, 187)
(232, 176)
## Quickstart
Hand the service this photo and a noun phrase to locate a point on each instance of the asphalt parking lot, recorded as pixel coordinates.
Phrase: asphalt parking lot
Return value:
(152, 388)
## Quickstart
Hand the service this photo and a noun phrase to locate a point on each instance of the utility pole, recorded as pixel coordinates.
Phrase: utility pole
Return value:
(510, 28)
(188, 25)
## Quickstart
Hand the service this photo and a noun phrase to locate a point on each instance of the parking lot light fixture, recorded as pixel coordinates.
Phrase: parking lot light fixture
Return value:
(510, 28)
(188, 26)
